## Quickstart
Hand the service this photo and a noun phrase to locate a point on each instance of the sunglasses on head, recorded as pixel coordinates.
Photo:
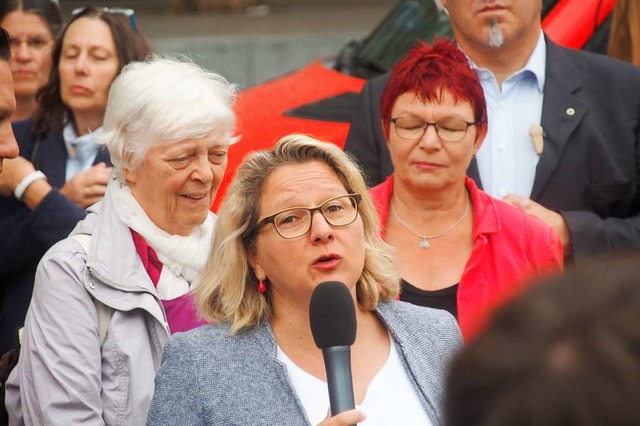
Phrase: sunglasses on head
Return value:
(129, 13)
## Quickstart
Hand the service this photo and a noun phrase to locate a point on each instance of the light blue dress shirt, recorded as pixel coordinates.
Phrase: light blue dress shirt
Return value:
(81, 150)
(507, 159)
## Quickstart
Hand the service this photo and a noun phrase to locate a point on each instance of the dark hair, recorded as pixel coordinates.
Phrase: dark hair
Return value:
(624, 39)
(427, 71)
(48, 10)
(5, 47)
(130, 46)
(567, 352)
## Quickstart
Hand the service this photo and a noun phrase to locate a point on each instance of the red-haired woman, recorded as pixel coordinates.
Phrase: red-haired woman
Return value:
(457, 248)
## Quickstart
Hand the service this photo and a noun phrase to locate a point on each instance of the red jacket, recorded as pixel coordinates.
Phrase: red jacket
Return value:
(510, 248)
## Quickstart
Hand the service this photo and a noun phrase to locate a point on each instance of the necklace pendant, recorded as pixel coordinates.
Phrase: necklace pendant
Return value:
(424, 243)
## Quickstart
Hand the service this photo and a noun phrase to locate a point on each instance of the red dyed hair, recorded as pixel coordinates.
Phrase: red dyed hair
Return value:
(427, 71)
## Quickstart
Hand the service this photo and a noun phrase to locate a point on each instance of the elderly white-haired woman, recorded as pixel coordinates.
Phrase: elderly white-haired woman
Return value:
(107, 298)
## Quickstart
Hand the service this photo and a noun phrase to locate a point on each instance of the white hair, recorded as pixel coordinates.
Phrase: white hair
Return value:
(164, 100)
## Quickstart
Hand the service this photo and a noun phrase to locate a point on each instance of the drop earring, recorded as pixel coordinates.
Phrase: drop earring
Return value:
(262, 287)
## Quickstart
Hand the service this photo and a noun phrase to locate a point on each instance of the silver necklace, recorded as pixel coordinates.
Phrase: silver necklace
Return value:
(423, 238)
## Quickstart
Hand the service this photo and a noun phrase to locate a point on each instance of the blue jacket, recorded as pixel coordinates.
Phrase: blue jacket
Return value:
(27, 234)
(211, 378)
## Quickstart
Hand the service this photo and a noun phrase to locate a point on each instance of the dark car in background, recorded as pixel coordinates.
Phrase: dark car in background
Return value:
(318, 99)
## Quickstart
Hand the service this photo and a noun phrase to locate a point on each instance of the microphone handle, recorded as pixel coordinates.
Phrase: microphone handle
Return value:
(337, 364)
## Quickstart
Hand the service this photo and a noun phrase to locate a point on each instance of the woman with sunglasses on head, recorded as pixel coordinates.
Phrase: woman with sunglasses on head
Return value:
(61, 169)
(456, 247)
(295, 217)
(33, 26)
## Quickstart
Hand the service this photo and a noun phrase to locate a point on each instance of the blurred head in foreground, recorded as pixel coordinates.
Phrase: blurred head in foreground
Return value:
(567, 352)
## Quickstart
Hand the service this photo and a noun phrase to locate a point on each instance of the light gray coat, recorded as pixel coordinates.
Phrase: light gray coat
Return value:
(211, 378)
(64, 377)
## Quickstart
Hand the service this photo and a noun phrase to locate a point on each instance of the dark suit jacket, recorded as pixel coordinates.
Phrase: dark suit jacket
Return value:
(590, 167)
(25, 234)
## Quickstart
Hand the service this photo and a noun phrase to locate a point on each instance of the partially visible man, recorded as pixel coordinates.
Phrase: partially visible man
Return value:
(8, 144)
(564, 127)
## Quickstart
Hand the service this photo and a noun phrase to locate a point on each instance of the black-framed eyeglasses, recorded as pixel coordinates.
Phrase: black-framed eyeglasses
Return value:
(295, 222)
(448, 129)
(129, 13)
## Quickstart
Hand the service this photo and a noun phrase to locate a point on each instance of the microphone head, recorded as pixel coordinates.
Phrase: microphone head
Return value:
(332, 315)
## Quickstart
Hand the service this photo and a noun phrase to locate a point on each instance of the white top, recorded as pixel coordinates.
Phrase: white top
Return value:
(507, 159)
(390, 399)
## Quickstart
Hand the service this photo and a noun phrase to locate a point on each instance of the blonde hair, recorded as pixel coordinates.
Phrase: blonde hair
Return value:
(227, 291)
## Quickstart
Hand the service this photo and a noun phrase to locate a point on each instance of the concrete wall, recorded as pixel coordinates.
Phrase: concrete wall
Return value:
(251, 47)
(165, 5)
(250, 60)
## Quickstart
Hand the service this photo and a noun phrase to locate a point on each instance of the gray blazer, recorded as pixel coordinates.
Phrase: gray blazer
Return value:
(211, 378)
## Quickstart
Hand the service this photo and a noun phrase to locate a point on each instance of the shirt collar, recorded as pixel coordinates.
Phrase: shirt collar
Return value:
(148, 256)
(535, 65)
(537, 61)
(81, 147)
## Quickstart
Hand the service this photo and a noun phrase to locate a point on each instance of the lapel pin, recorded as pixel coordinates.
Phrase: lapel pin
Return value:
(571, 112)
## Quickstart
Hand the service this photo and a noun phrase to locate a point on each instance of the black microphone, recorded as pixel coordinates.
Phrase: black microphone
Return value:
(333, 325)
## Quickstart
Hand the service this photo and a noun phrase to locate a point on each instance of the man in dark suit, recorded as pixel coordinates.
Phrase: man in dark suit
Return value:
(572, 137)
(8, 145)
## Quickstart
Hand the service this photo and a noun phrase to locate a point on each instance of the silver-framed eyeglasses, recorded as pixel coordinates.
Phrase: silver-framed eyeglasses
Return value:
(295, 222)
(448, 129)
